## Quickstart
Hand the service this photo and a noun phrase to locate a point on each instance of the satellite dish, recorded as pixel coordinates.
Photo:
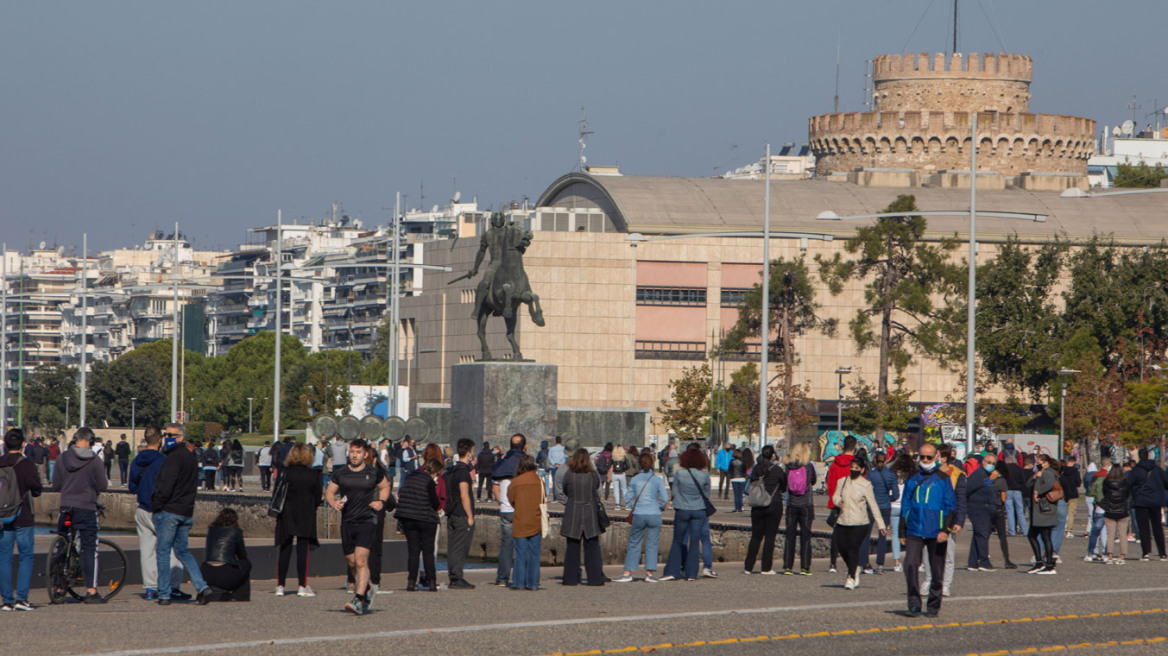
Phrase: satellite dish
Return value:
(324, 426)
(1115, 131)
(349, 427)
(358, 224)
(417, 428)
(434, 210)
(371, 427)
(1127, 128)
(42, 246)
(394, 428)
(457, 197)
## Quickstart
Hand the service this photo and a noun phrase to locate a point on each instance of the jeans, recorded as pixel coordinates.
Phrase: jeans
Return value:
(20, 537)
(459, 534)
(882, 540)
(687, 544)
(1096, 529)
(1015, 512)
(723, 479)
(707, 544)
(1060, 529)
(620, 483)
(85, 523)
(173, 532)
(798, 517)
(506, 548)
(325, 479)
(645, 530)
(527, 563)
(550, 484)
(739, 488)
(894, 533)
(914, 549)
(52, 467)
(764, 525)
(148, 558)
(266, 478)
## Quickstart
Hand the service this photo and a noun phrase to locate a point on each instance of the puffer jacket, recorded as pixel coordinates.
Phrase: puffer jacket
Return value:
(1115, 495)
(737, 469)
(884, 487)
(854, 498)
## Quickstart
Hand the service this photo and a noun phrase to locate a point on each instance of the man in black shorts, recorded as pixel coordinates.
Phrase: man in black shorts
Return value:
(359, 492)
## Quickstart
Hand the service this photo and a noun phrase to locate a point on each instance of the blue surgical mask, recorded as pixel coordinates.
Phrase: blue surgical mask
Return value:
(989, 468)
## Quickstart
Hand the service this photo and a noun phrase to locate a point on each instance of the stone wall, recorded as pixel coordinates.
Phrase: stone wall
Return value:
(989, 82)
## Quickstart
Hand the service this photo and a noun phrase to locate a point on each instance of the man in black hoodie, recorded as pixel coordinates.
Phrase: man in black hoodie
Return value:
(80, 477)
(1148, 484)
(173, 506)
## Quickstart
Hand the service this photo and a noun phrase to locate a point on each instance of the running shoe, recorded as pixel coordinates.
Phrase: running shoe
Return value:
(850, 584)
(769, 572)
(649, 578)
(356, 606)
(831, 570)
(23, 605)
(624, 579)
(305, 591)
(1037, 568)
(667, 578)
(787, 572)
(708, 573)
(1047, 571)
(7, 607)
(279, 592)
(987, 568)
(805, 572)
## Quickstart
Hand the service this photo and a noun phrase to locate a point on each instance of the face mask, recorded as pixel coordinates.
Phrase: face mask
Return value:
(928, 466)
(856, 474)
(989, 468)
(168, 443)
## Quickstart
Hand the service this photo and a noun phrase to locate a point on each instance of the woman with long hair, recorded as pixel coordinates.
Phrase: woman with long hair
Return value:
(581, 523)
(1116, 493)
(801, 479)
(856, 502)
(298, 520)
(226, 567)
(1043, 516)
(646, 498)
(620, 481)
(764, 520)
(886, 490)
(434, 452)
(691, 488)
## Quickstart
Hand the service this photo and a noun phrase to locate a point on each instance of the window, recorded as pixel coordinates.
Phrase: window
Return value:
(733, 297)
(671, 296)
(662, 350)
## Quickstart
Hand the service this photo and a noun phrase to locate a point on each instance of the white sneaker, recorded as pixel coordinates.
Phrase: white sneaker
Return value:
(279, 591)
(1088, 558)
(303, 591)
(769, 572)
(850, 584)
(945, 592)
(649, 578)
(709, 573)
(624, 579)
(667, 578)
(898, 568)
(857, 579)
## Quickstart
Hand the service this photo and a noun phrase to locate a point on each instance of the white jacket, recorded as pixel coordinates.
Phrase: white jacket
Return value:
(854, 498)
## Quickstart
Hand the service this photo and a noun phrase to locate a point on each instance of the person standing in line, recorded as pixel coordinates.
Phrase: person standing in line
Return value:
(722, 464)
(886, 489)
(484, 465)
(581, 522)
(264, 462)
(982, 505)
(839, 469)
(801, 479)
(417, 511)
(172, 504)
(1115, 493)
(460, 521)
(556, 458)
(358, 492)
(80, 478)
(297, 522)
(646, 499)
(1043, 516)
(505, 470)
(122, 451)
(927, 510)
(143, 473)
(1016, 478)
(18, 534)
(525, 494)
(857, 504)
(736, 471)
(691, 487)
(764, 520)
(1148, 487)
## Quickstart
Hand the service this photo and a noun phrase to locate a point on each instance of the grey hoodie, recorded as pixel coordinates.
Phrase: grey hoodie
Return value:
(79, 477)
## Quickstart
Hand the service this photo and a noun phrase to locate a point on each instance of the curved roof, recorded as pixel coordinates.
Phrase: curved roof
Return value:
(664, 205)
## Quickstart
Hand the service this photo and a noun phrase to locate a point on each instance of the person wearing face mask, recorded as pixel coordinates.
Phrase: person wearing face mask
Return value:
(857, 504)
(927, 510)
(1043, 516)
(948, 465)
(982, 505)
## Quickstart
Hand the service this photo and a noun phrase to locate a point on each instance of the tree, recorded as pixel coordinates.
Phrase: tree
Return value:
(1139, 175)
(135, 374)
(44, 396)
(867, 414)
(323, 389)
(904, 275)
(742, 399)
(792, 313)
(1144, 414)
(687, 414)
(1094, 398)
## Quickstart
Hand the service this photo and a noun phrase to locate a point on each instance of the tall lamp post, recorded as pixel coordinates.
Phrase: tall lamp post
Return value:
(839, 403)
(66, 412)
(1063, 373)
(249, 400)
(133, 420)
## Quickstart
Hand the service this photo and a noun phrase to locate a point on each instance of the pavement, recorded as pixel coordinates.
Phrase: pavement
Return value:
(1087, 608)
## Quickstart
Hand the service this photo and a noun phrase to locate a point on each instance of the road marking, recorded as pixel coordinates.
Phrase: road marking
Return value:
(565, 622)
(1111, 643)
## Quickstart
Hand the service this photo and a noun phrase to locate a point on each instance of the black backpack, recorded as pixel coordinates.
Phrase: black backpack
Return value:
(603, 462)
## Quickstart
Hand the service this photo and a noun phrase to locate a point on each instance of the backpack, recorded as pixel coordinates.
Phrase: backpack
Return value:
(797, 481)
(620, 466)
(10, 497)
(602, 463)
(757, 496)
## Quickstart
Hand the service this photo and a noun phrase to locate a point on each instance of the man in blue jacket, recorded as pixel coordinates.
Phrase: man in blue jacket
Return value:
(927, 509)
(722, 464)
(143, 472)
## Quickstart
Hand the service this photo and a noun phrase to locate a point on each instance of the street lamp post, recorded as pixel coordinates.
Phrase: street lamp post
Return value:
(1063, 373)
(249, 400)
(839, 404)
(133, 419)
(66, 412)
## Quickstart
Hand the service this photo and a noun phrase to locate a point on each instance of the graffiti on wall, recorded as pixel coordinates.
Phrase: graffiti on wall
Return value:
(831, 443)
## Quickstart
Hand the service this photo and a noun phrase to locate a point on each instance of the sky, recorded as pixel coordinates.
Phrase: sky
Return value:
(118, 118)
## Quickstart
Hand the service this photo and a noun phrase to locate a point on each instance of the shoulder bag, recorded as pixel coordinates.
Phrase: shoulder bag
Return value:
(710, 509)
(279, 494)
(544, 525)
(633, 508)
(833, 516)
(758, 497)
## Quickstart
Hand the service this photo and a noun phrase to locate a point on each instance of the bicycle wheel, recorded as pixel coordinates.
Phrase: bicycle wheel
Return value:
(58, 574)
(111, 569)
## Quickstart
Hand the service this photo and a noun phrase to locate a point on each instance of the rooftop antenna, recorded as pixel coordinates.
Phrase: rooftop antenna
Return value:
(835, 108)
(422, 194)
(584, 132)
(955, 27)
(1133, 106)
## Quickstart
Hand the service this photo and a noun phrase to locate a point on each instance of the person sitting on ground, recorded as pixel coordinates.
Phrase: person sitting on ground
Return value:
(226, 567)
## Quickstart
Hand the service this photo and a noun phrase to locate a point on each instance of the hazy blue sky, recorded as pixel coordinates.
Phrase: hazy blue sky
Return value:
(119, 117)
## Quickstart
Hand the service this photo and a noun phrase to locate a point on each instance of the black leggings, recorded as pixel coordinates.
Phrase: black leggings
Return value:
(1000, 527)
(1043, 532)
(485, 479)
(849, 539)
(228, 582)
(764, 526)
(798, 517)
(419, 541)
(302, 545)
(1150, 529)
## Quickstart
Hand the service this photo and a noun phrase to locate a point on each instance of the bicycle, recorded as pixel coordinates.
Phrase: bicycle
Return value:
(65, 573)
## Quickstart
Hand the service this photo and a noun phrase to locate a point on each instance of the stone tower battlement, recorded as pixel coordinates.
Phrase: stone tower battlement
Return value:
(923, 107)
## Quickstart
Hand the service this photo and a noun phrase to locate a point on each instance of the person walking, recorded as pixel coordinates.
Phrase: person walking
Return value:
(417, 510)
(297, 522)
(80, 477)
(143, 473)
(927, 508)
(949, 465)
(264, 462)
(801, 479)
(1112, 500)
(581, 524)
(365, 492)
(886, 489)
(525, 494)
(123, 452)
(837, 471)
(736, 471)
(764, 520)
(646, 498)
(1148, 487)
(1043, 516)
(172, 504)
(982, 506)
(226, 567)
(690, 489)
(857, 504)
(460, 516)
(722, 465)
(18, 534)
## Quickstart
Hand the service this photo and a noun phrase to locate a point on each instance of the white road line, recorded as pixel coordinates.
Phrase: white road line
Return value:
(593, 620)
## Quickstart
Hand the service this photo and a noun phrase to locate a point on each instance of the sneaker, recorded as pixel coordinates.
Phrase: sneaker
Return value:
(356, 606)
(1069, 535)
(1010, 565)
(971, 569)
(1057, 559)
(805, 572)
(913, 611)
(624, 579)
(151, 595)
(899, 568)
(163, 602)
(23, 605)
(1163, 558)
(371, 594)
(93, 599)
(179, 595)
(747, 572)
(869, 570)
(205, 596)
(1047, 571)
(987, 568)
(788, 572)
(1089, 558)
(1035, 569)
(303, 591)
(667, 578)
(7, 607)
(857, 579)
(502, 584)
(769, 572)
(879, 570)
(946, 593)
(931, 614)
(460, 584)
(1145, 558)
(708, 573)
(649, 578)
(850, 584)
(279, 591)
(831, 570)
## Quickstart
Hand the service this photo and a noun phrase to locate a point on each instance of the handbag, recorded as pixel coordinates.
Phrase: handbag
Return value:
(758, 497)
(833, 516)
(710, 509)
(1056, 493)
(279, 494)
(602, 516)
(544, 525)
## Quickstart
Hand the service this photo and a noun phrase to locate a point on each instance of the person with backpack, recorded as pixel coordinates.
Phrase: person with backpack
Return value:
(771, 481)
(928, 508)
(235, 467)
(801, 479)
(604, 468)
(19, 482)
(210, 465)
(620, 465)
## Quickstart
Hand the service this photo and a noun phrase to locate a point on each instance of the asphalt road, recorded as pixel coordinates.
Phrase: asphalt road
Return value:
(1084, 607)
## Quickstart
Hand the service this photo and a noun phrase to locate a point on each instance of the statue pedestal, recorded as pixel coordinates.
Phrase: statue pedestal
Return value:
(494, 400)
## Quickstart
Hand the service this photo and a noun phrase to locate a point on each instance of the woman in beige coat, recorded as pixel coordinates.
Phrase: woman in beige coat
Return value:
(857, 504)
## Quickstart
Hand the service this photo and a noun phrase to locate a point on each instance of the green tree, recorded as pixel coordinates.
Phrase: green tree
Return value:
(867, 414)
(904, 275)
(322, 381)
(135, 374)
(687, 413)
(1144, 414)
(44, 397)
(1139, 175)
(793, 312)
(742, 398)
